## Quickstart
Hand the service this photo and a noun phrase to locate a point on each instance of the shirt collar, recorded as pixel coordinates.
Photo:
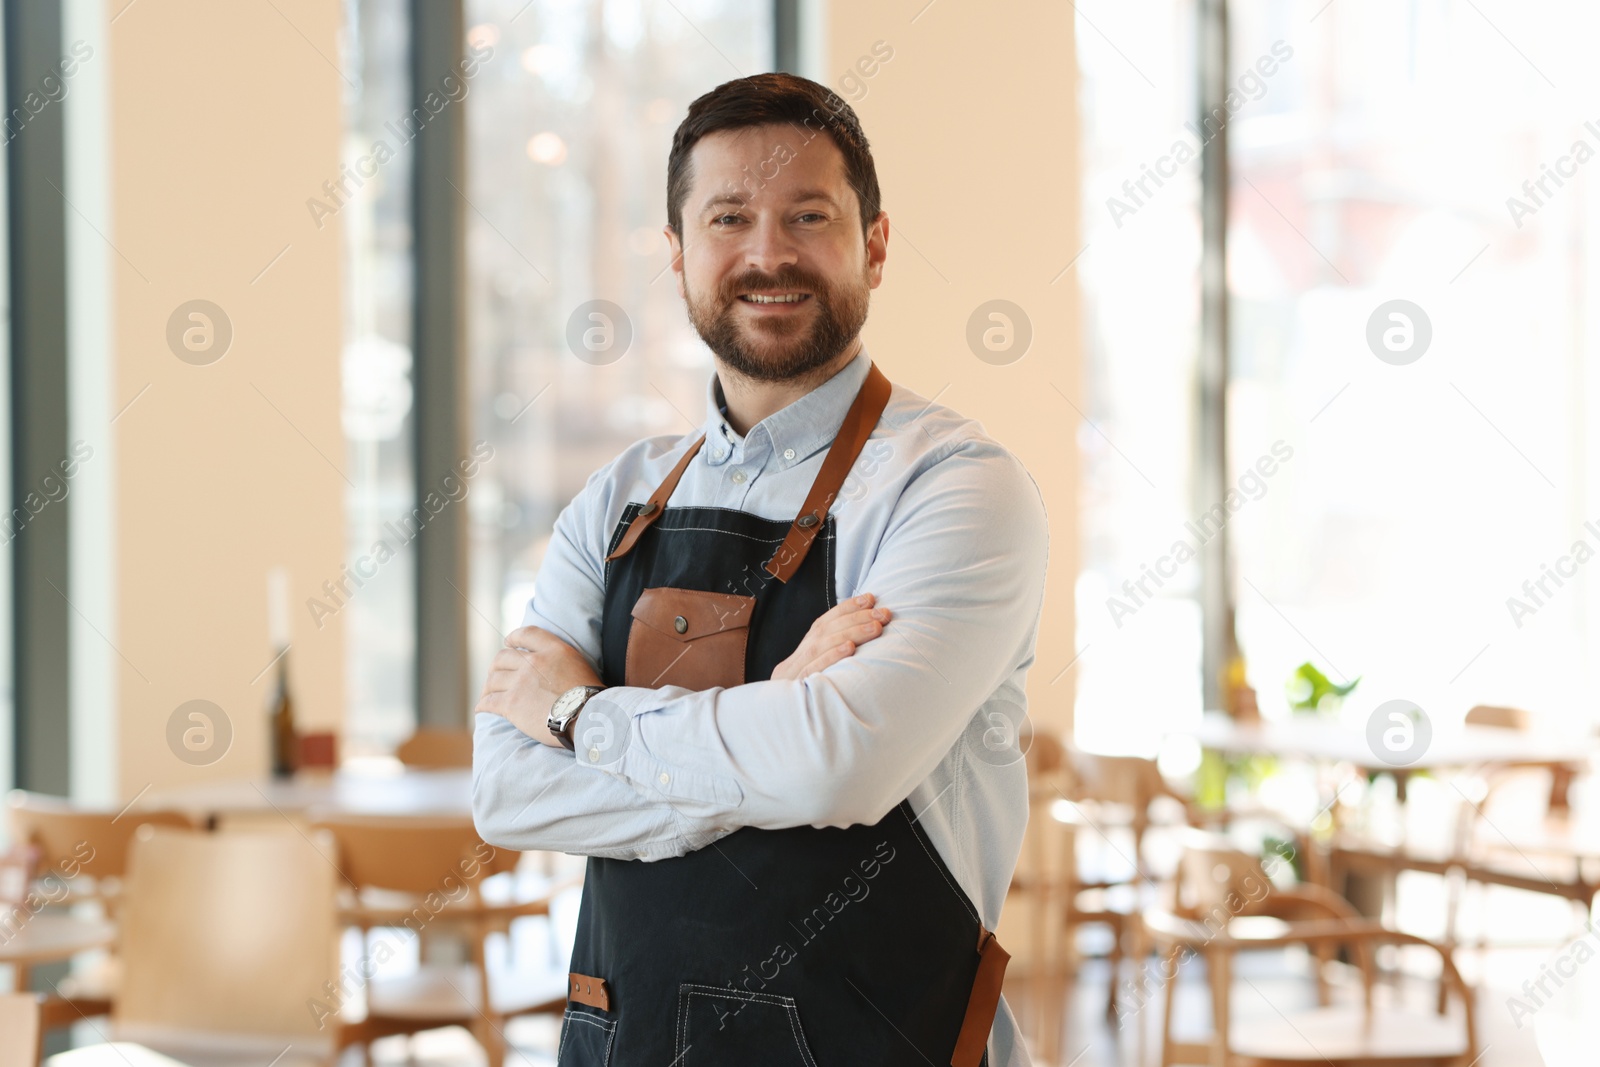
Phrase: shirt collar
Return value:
(805, 426)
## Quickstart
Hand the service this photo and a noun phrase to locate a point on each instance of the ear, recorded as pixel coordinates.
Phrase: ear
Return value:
(877, 248)
(675, 245)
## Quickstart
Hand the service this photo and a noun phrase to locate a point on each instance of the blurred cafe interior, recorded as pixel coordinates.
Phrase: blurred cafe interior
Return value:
(1285, 306)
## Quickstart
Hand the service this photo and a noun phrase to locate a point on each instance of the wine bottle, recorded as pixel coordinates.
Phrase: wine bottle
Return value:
(285, 742)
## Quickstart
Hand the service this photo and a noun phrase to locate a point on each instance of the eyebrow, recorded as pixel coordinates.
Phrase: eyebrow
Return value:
(736, 200)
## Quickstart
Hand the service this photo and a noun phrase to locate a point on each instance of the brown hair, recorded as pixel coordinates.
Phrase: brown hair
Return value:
(760, 100)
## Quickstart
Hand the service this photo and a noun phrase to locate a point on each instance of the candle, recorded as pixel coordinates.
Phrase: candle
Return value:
(278, 606)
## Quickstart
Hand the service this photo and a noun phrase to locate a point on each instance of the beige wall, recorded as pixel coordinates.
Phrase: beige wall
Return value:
(223, 119)
(973, 124)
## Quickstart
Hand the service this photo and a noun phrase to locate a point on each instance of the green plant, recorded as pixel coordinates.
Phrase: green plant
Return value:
(1308, 688)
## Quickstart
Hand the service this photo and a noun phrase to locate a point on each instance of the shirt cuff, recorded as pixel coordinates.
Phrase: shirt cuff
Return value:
(608, 738)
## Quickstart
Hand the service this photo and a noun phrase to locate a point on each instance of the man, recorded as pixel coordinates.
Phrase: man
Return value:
(802, 812)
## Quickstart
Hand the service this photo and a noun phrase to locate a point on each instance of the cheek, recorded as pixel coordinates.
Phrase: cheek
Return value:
(706, 267)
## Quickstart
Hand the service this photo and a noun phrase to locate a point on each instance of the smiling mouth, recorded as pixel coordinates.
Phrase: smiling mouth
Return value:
(774, 298)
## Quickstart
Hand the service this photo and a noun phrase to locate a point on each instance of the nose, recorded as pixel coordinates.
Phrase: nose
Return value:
(770, 245)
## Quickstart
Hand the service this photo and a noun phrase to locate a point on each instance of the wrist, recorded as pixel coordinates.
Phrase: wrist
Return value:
(564, 713)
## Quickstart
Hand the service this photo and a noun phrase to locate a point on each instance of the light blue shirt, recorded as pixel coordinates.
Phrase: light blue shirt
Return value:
(937, 520)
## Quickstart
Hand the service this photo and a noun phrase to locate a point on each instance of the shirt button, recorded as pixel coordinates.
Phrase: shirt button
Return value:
(719, 454)
(788, 453)
(738, 477)
(665, 778)
(594, 755)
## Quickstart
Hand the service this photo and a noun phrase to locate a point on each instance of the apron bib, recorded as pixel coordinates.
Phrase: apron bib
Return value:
(769, 948)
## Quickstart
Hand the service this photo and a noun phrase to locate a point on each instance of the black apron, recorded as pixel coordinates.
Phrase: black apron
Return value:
(769, 948)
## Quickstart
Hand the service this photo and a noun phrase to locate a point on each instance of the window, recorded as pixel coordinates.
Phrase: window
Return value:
(1419, 523)
(380, 631)
(1139, 670)
(1407, 152)
(569, 126)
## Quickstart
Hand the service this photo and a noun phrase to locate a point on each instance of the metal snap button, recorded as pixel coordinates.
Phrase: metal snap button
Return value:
(680, 624)
(806, 521)
(648, 509)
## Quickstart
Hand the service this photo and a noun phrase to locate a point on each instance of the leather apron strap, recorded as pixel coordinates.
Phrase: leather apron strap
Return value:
(982, 1004)
(858, 425)
(656, 504)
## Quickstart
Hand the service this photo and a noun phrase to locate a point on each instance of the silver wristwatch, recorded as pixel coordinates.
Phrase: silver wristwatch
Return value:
(564, 712)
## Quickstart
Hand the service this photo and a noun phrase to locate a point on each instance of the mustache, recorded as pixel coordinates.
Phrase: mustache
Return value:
(790, 277)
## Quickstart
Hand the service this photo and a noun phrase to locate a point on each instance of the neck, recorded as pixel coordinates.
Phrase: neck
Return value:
(749, 400)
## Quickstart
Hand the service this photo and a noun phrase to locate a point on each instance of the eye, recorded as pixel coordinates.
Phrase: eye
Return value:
(812, 216)
(725, 220)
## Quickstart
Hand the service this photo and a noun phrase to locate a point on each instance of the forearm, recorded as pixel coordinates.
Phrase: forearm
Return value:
(527, 796)
(962, 571)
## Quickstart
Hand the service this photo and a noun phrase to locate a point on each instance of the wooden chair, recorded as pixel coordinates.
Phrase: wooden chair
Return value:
(78, 855)
(20, 1030)
(229, 940)
(1114, 795)
(1222, 896)
(434, 749)
(1215, 878)
(85, 848)
(1036, 982)
(422, 875)
(1514, 826)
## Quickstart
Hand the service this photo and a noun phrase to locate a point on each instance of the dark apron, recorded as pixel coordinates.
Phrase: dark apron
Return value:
(770, 948)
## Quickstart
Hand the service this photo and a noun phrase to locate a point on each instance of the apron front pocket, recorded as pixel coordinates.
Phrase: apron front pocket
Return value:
(723, 1026)
(688, 638)
(585, 1039)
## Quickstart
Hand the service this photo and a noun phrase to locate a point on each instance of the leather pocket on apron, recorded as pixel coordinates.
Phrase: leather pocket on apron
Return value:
(688, 638)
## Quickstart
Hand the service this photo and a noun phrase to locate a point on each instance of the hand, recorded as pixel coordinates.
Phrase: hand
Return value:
(527, 676)
(834, 636)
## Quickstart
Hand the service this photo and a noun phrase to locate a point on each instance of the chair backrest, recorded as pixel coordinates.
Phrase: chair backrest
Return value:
(73, 839)
(433, 749)
(1502, 718)
(228, 933)
(1126, 780)
(19, 1023)
(413, 854)
(1217, 879)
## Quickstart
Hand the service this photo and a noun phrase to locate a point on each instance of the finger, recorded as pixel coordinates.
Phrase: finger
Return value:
(855, 618)
(508, 659)
(501, 681)
(529, 637)
(856, 603)
(832, 655)
(857, 626)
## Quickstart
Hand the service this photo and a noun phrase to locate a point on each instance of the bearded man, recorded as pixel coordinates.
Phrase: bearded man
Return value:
(771, 674)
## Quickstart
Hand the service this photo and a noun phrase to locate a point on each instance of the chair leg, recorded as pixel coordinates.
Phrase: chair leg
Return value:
(1220, 973)
(488, 1033)
(1171, 982)
(1113, 966)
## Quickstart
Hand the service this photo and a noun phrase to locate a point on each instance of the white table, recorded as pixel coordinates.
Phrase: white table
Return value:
(446, 793)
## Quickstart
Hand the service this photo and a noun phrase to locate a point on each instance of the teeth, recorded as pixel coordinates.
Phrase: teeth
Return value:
(787, 298)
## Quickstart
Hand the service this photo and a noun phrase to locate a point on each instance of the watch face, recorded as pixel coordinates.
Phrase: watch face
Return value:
(565, 703)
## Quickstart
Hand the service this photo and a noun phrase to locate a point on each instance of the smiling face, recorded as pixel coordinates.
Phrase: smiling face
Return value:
(772, 261)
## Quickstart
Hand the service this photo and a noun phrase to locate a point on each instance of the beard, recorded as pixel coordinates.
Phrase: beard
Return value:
(780, 349)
